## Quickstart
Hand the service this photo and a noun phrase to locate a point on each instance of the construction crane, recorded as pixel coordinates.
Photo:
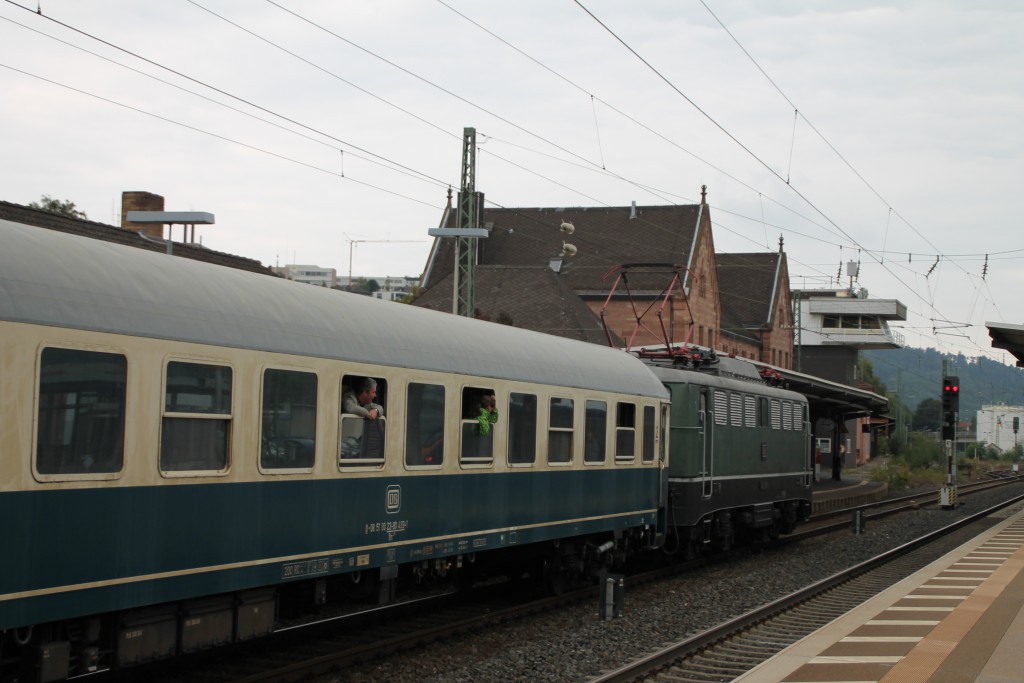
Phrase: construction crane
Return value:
(352, 243)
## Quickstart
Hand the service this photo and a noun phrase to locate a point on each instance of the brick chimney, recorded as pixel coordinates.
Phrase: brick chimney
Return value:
(142, 201)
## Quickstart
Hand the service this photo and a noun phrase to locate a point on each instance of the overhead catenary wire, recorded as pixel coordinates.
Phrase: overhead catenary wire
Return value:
(839, 155)
(929, 300)
(717, 208)
(218, 136)
(211, 87)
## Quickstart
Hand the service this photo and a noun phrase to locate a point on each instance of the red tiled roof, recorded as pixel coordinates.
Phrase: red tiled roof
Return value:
(746, 283)
(604, 237)
(530, 297)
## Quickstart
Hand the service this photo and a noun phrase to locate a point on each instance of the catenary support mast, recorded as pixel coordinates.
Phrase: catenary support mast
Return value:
(470, 203)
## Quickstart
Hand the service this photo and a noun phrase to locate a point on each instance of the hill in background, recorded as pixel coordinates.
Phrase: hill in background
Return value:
(916, 374)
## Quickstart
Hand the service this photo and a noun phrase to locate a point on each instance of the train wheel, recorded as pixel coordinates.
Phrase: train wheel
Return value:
(360, 586)
(466, 576)
(553, 575)
(556, 570)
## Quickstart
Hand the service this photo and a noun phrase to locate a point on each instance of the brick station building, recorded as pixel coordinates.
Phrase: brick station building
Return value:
(738, 304)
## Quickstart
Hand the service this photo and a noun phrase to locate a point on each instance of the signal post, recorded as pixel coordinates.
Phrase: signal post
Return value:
(950, 408)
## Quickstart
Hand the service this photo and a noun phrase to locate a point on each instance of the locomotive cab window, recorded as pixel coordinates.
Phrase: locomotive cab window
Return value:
(424, 425)
(81, 412)
(288, 424)
(363, 422)
(522, 429)
(595, 432)
(479, 415)
(625, 431)
(560, 427)
(196, 422)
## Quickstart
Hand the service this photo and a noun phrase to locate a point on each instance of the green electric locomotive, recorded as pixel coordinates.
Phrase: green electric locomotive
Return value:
(739, 466)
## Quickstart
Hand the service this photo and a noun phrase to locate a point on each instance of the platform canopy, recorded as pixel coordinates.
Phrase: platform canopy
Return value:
(838, 400)
(1008, 337)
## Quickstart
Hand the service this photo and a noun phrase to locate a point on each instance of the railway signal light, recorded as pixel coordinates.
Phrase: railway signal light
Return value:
(950, 394)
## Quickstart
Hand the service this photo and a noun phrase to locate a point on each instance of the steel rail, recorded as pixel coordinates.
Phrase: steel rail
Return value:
(656, 661)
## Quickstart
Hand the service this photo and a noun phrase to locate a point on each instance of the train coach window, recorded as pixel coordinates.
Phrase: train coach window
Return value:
(594, 432)
(363, 423)
(424, 425)
(522, 428)
(625, 431)
(81, 412)
(479, 415)
(647, 454)
(560, 428)
(288, 427)
(364, 396)
(197, 417)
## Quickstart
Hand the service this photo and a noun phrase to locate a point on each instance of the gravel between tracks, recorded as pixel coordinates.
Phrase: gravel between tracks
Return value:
(573, 645)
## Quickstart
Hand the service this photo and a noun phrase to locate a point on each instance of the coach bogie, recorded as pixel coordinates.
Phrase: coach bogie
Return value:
(433, 570)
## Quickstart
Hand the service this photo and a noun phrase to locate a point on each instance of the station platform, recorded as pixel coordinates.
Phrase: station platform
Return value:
(959, 619)
(853, 489)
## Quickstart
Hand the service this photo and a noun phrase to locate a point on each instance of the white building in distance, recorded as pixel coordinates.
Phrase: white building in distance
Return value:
(996, 426)
(390, 288)
(310, 275)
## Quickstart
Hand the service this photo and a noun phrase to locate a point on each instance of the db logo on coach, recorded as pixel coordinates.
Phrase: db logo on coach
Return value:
(394, 499)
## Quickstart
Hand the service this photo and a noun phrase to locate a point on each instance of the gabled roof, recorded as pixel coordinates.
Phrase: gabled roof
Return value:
(532, 297)
(604, 237)
(747, 285)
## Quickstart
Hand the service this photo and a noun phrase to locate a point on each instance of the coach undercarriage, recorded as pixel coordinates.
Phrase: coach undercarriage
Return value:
(75, 647)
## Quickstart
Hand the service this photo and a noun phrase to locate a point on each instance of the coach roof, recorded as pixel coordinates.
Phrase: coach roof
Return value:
(52, 278)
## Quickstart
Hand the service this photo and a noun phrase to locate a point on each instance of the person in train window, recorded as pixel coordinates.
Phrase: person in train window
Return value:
(358, 399)
(488, 414)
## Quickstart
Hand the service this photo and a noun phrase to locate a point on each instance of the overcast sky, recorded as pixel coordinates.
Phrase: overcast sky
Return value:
(887, 133)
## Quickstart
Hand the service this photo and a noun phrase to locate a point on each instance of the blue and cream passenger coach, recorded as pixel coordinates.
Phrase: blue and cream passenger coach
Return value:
(173, 431)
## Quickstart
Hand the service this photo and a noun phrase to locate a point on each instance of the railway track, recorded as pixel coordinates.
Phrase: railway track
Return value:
(319, 645)
(838, 519)
(725, 652)
(341, 642)
(317, 648)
